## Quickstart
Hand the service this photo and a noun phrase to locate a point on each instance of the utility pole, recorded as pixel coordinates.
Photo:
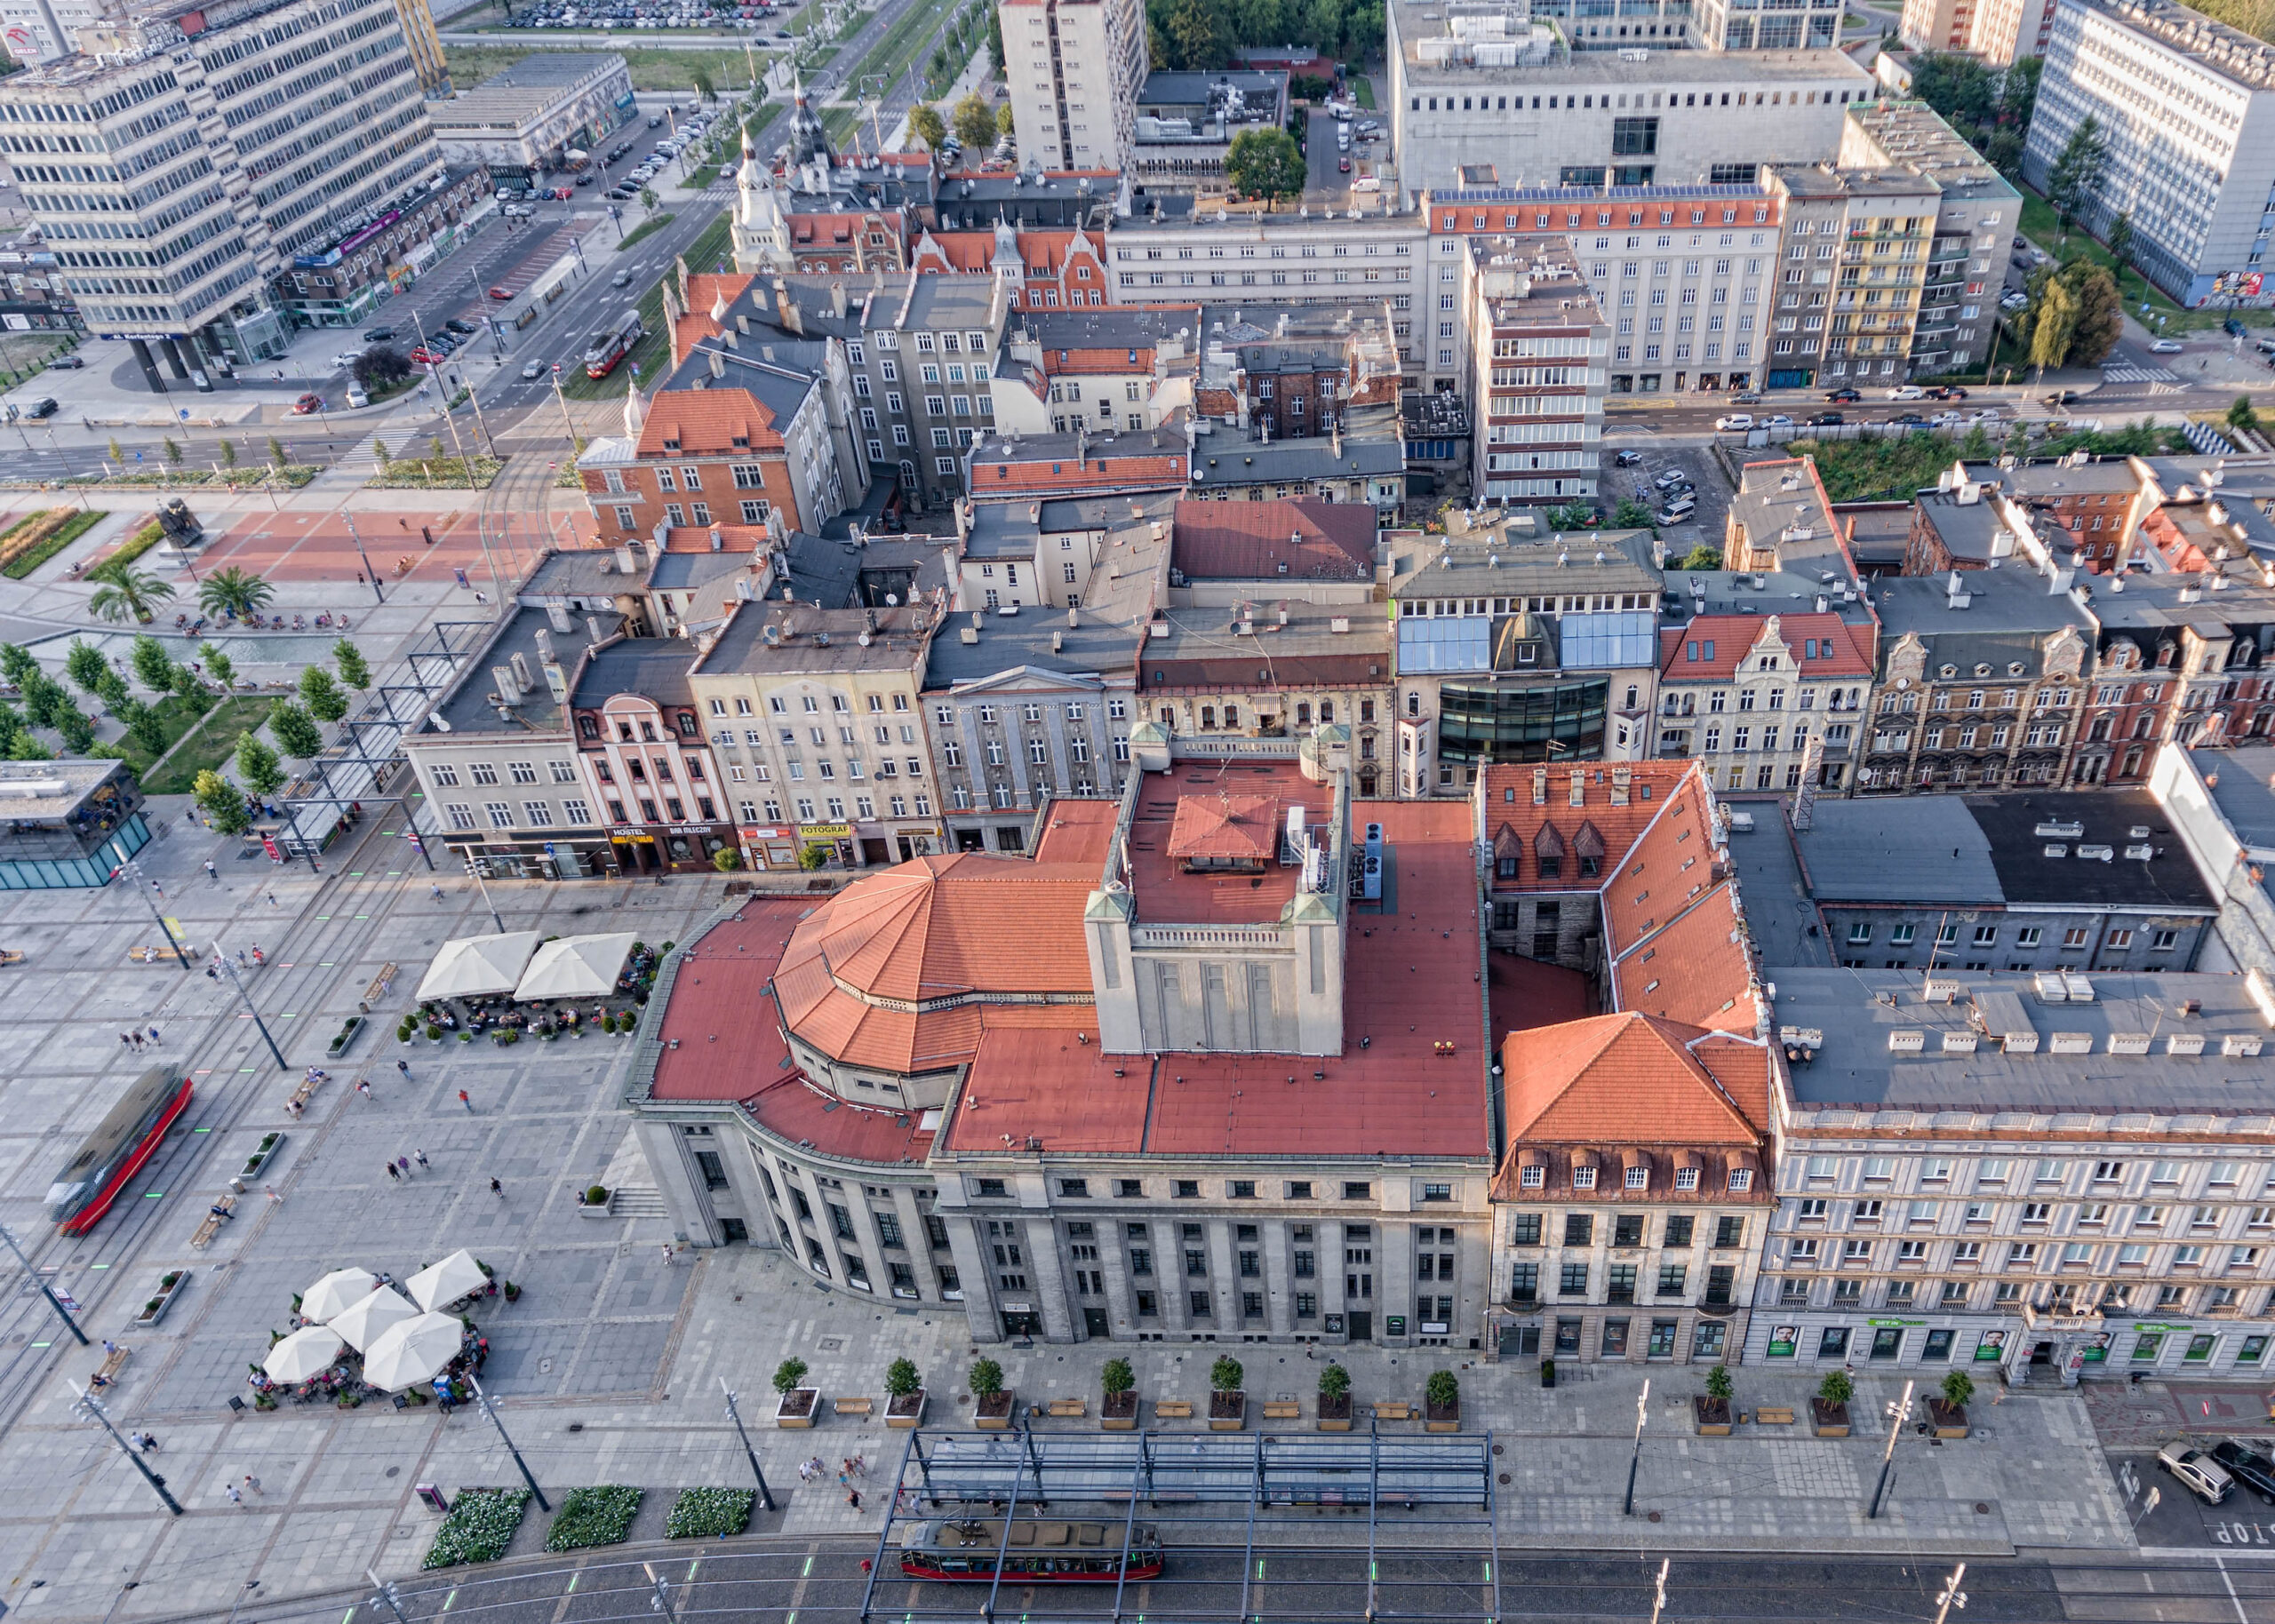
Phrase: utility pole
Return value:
(474, 868)
(1659, 1595)
(134, 869)
(89, 1405)
(1643, 1401)
(765, 1497)
(221, 960)
(660, 1597)
(491, 1410)
(435, 377)
(474, 399)
(387, 1596)
(1899, 1413)
(1953, 1597)
(575, 450)
(56, 1303)
(369, 573)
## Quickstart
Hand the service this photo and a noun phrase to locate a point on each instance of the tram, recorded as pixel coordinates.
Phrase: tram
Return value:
(1039, 1552)
(115, 1151)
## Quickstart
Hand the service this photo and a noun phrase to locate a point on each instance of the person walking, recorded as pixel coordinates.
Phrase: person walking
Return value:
(154, 1037)
(211, 872)
(272, 900)
(667, 1254)
(395, 1173)
(236, 1497)
(125, 1042)
(276, 1196)
(437, 889)
(853, 1499)
(403, 1165)
(364, 1084)
(403, 1066)
(147, 1442)
(497, 1190)
(253, 1484)
(462, 1099)
(420, 1157)
(109, 1347)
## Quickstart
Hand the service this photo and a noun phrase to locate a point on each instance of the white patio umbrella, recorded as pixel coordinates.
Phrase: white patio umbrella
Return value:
(447, 1281)
(576, 966)
(337, 1293)
(362, 1324)
(412, 1350)
(302, 1354)
(471, 966)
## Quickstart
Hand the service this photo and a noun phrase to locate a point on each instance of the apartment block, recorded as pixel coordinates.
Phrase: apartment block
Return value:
(1849, 284)
(1076, 69)
(1539, 342)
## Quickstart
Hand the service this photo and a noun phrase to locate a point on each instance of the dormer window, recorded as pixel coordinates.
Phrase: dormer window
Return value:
(742, 443)
(672, 444)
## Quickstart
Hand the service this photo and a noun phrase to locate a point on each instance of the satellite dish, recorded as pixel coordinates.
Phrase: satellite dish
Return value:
(893, 600)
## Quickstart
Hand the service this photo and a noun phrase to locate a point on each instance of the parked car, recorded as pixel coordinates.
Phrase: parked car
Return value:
(307, 405)
(1343, 163)
(1827, 420)
(2060, 397)
(2167, 346)
(1778, 421)
(1746, 397)
(1672, 514)
(424, 357)
(1906, 391)
(377, 335)
(464, 328)
(2235, 329)
(655, 120)
(1732, 422)
(2198, 1472)
(1671, 479)
(2254, 1470)
(1842, 397)
(499, 293)
(1627, 459)
(70, 363)
(1908, 417)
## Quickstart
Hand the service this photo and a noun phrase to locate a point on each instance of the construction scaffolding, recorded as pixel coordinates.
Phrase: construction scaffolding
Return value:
(1227, 1509)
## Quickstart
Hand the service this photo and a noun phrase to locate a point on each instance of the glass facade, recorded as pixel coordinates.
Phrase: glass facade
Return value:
(68, 873)
(1536, 722)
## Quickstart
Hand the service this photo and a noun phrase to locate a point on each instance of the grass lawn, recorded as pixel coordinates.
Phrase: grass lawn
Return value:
(700, 178)
(2041, 226)
(652, 355)
(652, 67)
(1362, 89)
(907, 41)
(209, 746)
(179, 715)
(647, 227)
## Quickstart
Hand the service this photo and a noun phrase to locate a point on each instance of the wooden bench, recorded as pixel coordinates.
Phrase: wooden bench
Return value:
(1068, 1408)
(1393, 1411)
(158, 955)
(1283, 1409)
(378, 990)
(113, 1363)
(853, 1406)
(9, 955)
(212, 1227)
(1173, 1409)
(1774, 1415)
(308, 1086)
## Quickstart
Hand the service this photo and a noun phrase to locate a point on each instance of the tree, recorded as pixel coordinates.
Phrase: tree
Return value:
(86, 666)
(704, 88)
(380, 367)
(987, 1378)
(277, 453)
(1334, 1382)
(380, 452)
(144, 726)
(787, 1375)
(1193, 34)
(435, 444)
(926, 124)
(1958, 1387)
(354, 670)
(2018, 92)
(44, 699)
(129, 594)
(152, 668)
(726, 859)
(78, 733)
(186, 682)
(2120, 238)
(172, 451)
(223, 801)
(2101, 311)
(1117, 1376)
(1632, 515)
(297, 733)
(1836, 1388)
(2004, 151)
(16, 662)
(1702, 557)
(228, 453)
(258, 766)
(1225, 1375)
(24, 747)
(232, 591)
(1264, 164)
(2076, 174)
(110, 688)
(1975, 446)
(974, 121)
(902, 1378)
(1443, 1390)
(1005, 124)
(1960, 89)
(2050, 322)
(1718, 1382)
(322, 694)
(994, 40)
(648, 198)
(118, 451)
(224, 669)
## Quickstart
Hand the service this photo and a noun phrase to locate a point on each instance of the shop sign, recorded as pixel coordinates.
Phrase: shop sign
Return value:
(1892, 1325)
(826, 832)
(632, 834)
(1993, 1346)
(771, 833)
(690, 828)
(1428, 1329)
(1018, 1308)
(1394, 1325)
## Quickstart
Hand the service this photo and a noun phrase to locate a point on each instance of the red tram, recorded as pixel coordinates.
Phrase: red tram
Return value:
(115, 1151)
(1039, 1552)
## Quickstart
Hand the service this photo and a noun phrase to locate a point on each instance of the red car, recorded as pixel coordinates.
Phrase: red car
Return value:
(424, 357)
(499, 293)
(307, 405)
(1344, 164)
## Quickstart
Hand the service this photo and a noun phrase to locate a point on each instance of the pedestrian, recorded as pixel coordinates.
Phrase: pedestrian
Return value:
(211, 872)
(462, 1099)
(147, 1442)
(257, 959)
(420, 1157)
(364, 1084)
(437, 889)
(853, 1499)
(124, 1041)
(866, 1566)
(253, 1484)
(403, 1066)
(845, 1477)
(667, 1254)
(189, 815)
(272, 899)
(154, 1037)
(403, 1165)
(395, 1173)
(805, 1472)
(136, 1039)
(109, 1346)
(497, 1190)
(276, 1197)
(235, 1497)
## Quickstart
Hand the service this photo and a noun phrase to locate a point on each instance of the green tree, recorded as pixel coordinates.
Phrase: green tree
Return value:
(1117, 1377)
(118, 451)
(2018, 92)
(354, 670)
(926, 124)
(277, 453)
(2101, 311)
(380, 452)
(44, 699)
(902, 1378)
(297, 733)
(86, 666)
(2052, 321)
(1718, 1382)
(223, 802)
(144, 726)
(1225, 1375)
(2004, 151)
(1264, 164)
(228, 452)
(24, 747)
(380, 367)
(78, 733)
(1005, 124)
(1958, 1387)
(1334, 1382)
(1836, 1388)
(322, 694)
(987, 1378)
(974, 121)
(1632, 515)
(787, 1375)
(2076, 174)
(129, 594)
(186, 682)
(704, 88)
(1960, 89)
(1702, 557)
(110, 688)
(1192, 30)
(1975, 445)
(1443, 1389)
(173, 452)
(994, 40)
(16, 664)
(2242, 416)
(648, 198)
(258, 766)
(232, 591)
(2120, 238)
(224, 669)
(152, 668)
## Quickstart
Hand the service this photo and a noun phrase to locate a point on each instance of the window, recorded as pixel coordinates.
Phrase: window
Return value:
(1579, 1227)
(1572, 1280)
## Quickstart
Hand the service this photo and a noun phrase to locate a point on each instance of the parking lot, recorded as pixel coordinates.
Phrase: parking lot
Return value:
(1637, 484)
(2179, 1519)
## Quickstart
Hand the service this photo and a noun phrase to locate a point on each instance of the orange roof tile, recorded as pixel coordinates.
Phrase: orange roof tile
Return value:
(1696, 968)
(1068, 476)
(1670, 861)
(1166, 890)
(731, 1042)
(1046, 1083)
(1233, 827)
(1845, 650)
(707, 420)
(1619, 1078)
(732, 538)
(1514, 826)
(1081, 831)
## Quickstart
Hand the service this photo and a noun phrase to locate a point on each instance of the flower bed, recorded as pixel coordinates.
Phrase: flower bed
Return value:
(436, 474)
(244, 476)
(709, 1514)
(135, 546)
(601, 1515)
(30, 542)
(479, 1528)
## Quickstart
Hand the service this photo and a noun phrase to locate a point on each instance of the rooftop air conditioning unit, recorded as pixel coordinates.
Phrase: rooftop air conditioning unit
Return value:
(1907, 1041)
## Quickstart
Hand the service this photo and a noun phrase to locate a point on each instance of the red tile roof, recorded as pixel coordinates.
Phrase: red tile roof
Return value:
(1049, 1085)
(1527, 992)
(1226, 827)
(730, 1035)
(1248, 541)
(1697, 967)
(1514, 826)
(1669, 863)
(1097, 475)
(1845, 650)
(732, 538)
(1621, 1077)
(1166, 894)
(795, 1110)
(702, 420)
(1080, 831)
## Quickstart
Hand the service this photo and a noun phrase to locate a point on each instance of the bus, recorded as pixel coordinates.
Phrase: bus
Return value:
(1037, 1552)
(611, 344)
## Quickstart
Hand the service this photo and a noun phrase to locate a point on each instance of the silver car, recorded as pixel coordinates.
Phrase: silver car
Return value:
(2198, 1473)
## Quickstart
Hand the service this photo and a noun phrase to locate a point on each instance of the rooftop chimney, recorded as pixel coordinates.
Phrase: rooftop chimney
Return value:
(509, 687)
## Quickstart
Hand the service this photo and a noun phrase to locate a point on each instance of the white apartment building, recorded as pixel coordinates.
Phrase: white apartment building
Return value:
(1536, 370)
(1999, 32)
(2188, 107)
(180, 162)
(1075, 69)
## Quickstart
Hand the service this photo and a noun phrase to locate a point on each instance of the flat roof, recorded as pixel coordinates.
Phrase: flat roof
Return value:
(1165, 893)
(654, 667)
(2165, 880)
(2009, 607)
(466, 706)
(1854, 1014)
(1969, 530)
(838, 642)
(2242, 783)
(50, 792)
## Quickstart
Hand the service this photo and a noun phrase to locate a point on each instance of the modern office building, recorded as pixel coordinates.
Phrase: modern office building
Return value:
(184, 160)
(1075, 68)
(1186, 122)
(1999, 32)
(1539, 343)
(2187, 107)
(526, 121)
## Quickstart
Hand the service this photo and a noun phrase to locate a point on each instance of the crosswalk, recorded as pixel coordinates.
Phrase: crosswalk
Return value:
(2139, 375)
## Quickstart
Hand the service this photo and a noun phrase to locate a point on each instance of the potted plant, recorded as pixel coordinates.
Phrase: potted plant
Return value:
(1828, 1410)
(991, 1410)
(1334, 1399)
(1948, 1414)
(170, 1285)
(1227, 1404)
(1119, 1411)
(800, 1404)
(1713, 1410)
(594, 1202)
(906, 1407)
(1441, 1403)
(1548, 1373)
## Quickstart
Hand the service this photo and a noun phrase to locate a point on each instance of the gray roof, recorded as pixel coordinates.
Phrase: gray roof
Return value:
(2008, 613)
(1778, 910)
(1371, 448)
(1001, 530)
(819, 640)
(1854, 1066)
(656, 667)
(2244, 790)
(1781, 505)
(2163, 883)
(1922, 849)
(1106, 513)
(1969, 530)
(466, 706)
(1098, 642)
(581, 572)
(1503, 559)
(1782, 591)
(1106, 328)
(691, 571)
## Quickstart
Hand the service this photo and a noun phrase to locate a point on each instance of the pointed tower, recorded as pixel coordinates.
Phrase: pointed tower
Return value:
(761, 236)
(1008, 268)
(635, 412)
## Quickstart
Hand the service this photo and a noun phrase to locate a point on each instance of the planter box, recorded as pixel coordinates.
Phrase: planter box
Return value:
(1548, 1373)
(1118, 1413)
(993, 1412)
(1948, 1419)
(586, 1209)
(338, 1044)
(1831, 1421)
(1442, 1418)
(263, 1153)
(1228, 1412)
(907, 1411)
(799, 1407)
(171, 1285)
(1712, 1416)
(1335, 1413)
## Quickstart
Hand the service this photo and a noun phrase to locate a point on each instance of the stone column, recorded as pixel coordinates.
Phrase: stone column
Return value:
(970, 1253)
(1223, 1278)
(1279, 1290)
(1121, 1301)
(172, 349)
(916, 1246)
(1169, 1268)
(148, 363)
(1394, 1280)
(1050, 1278)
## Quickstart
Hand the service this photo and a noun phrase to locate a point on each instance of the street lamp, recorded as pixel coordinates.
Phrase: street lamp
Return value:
(90, 1406)
(134, 871)
(1899, 1411)
(765, 1496)
(370, 574)
(491, 1410)
(56, 1303)
(221, 960)
(1635, 1460)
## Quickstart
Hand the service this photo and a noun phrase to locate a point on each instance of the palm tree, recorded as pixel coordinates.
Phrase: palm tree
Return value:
(129, 594)
(232, 591)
